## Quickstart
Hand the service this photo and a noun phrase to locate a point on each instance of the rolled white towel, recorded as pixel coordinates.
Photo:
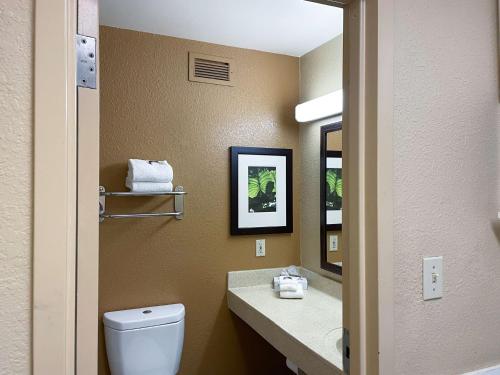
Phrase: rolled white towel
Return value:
(277, 280)
(149, 187)
(149, 171)
(276, 284)
(298, 294)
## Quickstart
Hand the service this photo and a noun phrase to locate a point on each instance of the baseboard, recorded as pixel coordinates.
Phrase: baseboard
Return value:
(495, 370)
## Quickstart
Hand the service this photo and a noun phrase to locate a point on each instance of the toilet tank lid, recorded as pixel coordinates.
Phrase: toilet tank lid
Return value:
(144, 317)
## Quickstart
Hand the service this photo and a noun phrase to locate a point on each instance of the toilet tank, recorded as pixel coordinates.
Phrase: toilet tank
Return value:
(145, 341)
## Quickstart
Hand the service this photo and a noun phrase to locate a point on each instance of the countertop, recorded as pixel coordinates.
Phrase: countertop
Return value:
(308, 331)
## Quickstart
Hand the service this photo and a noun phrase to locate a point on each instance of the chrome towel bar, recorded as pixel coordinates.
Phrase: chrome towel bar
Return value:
(178, 194)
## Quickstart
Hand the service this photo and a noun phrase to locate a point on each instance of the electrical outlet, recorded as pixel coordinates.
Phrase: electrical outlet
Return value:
(260, 248)
(334, 242)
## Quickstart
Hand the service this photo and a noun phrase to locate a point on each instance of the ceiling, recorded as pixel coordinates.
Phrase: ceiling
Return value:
(289, 27)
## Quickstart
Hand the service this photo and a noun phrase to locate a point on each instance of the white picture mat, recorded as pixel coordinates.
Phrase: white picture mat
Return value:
(334, 162)
(261, 219)
(333, 216)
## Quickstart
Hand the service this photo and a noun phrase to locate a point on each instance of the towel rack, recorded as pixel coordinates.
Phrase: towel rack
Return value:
(178, 194)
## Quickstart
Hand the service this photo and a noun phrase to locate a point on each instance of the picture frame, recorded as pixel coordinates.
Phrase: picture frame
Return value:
(324, 227)
(261, 190)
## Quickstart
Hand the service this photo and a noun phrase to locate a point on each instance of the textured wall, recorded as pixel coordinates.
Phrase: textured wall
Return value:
(15, 187)
(150, 110)
(320, 74)
(445, 184)
(321, 70)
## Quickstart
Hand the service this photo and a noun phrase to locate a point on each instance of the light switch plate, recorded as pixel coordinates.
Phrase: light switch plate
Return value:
(260, 248)
(334, 242)
(432, 278)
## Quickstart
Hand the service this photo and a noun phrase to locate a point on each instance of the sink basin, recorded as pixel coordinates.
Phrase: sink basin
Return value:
(333, 341)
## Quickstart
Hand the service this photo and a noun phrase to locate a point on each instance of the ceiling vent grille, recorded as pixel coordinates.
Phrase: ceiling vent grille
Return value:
(211, 69)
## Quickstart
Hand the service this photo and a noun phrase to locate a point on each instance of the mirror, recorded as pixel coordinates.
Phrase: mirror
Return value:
(331, 193)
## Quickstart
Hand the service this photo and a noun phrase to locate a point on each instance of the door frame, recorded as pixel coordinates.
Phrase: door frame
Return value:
(54, 200)
(368, 111)
(368, 291)
(65, 215)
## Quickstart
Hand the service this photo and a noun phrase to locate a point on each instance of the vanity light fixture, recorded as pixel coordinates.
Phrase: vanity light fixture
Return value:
(325, 106)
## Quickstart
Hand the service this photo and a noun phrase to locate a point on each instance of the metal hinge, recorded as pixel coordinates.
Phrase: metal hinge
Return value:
(346, 351)
(85, 62)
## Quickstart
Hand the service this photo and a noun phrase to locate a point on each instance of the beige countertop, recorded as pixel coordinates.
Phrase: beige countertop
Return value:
(307, 331)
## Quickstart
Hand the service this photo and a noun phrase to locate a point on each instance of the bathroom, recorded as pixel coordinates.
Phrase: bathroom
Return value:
(151, 109)
(375, 174)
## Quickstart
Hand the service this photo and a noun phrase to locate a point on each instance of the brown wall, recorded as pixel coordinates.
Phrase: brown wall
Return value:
(334, 141)
(334, 256)
(150, 110)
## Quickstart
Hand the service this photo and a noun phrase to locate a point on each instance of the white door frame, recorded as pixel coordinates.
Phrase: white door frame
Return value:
(87, 259)
(382, 263)
(65, 196)
(368, 300)
(368, 116)
(54, 238)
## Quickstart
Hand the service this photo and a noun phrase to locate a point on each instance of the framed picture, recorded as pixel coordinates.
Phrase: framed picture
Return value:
(261, 190)
(333, 190)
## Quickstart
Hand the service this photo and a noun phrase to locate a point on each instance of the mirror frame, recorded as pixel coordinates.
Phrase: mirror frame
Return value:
(336, 126)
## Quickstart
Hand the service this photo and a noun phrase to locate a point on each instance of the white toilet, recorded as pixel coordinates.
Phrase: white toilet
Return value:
(145, 341)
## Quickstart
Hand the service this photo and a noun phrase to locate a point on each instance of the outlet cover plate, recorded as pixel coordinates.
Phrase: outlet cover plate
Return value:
(432, 278)
(260, 248)
(334, 242)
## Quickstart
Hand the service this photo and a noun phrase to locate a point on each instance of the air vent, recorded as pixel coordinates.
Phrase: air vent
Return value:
(211, 69)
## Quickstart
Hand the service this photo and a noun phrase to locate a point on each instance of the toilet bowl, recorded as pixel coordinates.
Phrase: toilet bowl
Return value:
(145, 341)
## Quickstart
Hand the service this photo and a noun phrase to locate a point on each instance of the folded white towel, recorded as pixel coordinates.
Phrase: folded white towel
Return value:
(299, 293)
(149, 171)
(290, 287)
(148, 187)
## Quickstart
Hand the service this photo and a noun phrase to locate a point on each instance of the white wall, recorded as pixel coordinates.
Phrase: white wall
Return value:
(15, 185)
(446, 124)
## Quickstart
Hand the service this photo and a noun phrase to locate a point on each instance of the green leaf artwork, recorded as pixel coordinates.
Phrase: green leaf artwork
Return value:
(261, 189)
(334, 189)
